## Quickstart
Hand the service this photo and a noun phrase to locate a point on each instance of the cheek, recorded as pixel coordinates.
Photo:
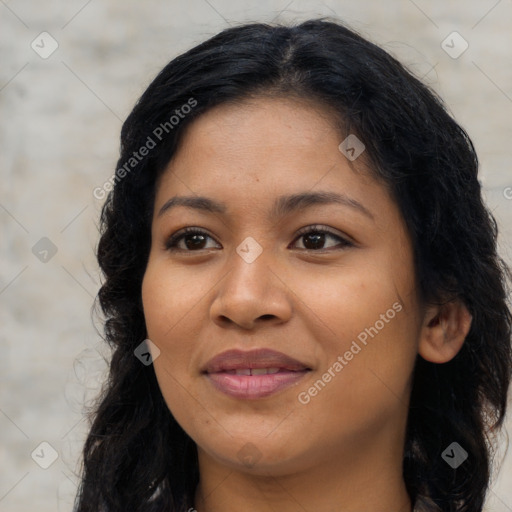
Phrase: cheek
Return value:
(168, 297)
(346, 301)
(168, 306)
(366, 316)
(365, 376)
(169, 303)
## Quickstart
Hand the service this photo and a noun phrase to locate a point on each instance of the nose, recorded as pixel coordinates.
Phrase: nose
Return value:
(251, 294)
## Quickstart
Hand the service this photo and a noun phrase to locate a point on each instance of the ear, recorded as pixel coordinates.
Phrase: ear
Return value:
(443, 331)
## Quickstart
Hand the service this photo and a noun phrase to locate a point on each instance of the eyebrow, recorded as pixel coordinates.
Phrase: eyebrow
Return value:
(283, 205)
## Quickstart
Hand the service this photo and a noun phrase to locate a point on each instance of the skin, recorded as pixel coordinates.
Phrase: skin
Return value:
(341, 451)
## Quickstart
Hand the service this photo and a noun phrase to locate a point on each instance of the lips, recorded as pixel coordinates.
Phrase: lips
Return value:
(253, 374)
(253, 359)
(253, 371)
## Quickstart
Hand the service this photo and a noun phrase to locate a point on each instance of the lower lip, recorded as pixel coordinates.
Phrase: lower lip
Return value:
(254, 386)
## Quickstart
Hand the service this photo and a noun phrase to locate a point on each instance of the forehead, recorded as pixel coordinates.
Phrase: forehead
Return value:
(258, 134)
(297, 120)
(253, 151)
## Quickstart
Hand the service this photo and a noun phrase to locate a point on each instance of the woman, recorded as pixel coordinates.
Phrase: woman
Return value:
(302, 289)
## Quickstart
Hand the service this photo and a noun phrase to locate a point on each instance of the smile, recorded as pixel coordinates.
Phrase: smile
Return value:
(254, 383)
(253, 374)
(252, 371)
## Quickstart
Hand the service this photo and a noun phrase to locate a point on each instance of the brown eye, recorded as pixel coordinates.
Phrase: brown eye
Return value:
(194, 241)
(189, 239)
(314, 239)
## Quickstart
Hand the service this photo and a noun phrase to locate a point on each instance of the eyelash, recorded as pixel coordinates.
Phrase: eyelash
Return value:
(174, 239)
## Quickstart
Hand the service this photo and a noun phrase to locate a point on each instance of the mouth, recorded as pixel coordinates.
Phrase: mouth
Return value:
(253, 374)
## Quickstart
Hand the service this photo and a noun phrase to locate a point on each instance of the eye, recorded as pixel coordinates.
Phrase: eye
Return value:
(193, 240)
(315, 237)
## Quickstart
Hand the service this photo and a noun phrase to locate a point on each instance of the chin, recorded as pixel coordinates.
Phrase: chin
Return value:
(256, 455)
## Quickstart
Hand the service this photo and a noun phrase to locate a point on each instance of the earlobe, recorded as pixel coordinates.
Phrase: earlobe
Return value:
(444, 330)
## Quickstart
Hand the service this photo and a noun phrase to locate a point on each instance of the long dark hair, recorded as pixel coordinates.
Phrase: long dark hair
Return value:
(136, 457)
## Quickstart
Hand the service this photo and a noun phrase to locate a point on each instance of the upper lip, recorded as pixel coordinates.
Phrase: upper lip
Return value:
(260, 358)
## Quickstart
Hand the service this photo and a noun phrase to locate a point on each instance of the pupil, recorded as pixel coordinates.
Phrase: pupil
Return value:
(196, 243)
(317, 240)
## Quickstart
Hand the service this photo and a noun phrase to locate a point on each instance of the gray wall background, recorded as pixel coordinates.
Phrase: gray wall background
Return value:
(59, 132)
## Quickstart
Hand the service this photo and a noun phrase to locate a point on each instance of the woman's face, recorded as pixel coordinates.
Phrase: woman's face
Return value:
(288, 326)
